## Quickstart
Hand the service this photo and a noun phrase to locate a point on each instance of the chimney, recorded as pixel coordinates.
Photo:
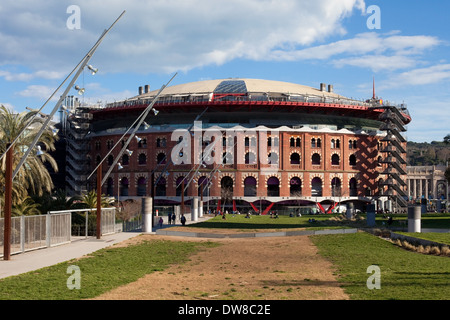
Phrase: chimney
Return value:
(330, 88)
(323, 87)
(140, 90)
(147, 88)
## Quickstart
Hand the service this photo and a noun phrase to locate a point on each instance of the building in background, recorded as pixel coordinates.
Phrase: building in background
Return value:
(257, 144)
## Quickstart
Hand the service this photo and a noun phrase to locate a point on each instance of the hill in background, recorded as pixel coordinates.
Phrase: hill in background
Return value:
(427, 154)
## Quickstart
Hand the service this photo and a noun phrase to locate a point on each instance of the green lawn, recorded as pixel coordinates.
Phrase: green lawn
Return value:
(104, 270)
(257, 222)
(431, 236)
(428, 220)
(405, 275)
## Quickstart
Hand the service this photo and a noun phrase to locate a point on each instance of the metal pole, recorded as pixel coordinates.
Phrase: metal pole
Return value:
(72, 82)
(8, 204)
(182, 197)
(99, 201)
(140, 120)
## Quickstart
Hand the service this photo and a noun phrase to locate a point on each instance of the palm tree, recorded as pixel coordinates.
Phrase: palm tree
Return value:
(89, 200)
(33, 177)
(26, 207)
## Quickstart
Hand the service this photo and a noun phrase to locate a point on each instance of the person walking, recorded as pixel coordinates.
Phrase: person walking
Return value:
(183, 219)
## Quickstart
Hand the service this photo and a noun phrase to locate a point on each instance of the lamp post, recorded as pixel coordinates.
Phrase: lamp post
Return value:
(8, 205)
(99, 201)
(10, 174)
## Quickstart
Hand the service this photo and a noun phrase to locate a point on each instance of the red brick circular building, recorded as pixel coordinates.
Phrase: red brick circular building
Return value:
(256, 144)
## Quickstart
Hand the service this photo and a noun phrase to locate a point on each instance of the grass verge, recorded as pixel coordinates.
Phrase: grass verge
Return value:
(101, 271)
(404, 275)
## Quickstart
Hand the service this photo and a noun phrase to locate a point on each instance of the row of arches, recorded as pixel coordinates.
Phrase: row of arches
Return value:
(249, 158)
(226, 183)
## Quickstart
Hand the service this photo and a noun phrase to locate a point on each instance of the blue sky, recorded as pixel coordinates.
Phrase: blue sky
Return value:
(300, 41)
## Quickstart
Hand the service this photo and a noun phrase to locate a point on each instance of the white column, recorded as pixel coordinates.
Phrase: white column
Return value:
(200, 209)
(414, 216)
(194, 209)
(147, 206)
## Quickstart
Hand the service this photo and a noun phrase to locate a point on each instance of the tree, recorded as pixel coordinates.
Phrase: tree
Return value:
(89, 200)
(26, 207)
(33, 177)
(447, 139)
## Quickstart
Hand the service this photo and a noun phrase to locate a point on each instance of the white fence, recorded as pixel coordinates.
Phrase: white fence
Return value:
(48, 230)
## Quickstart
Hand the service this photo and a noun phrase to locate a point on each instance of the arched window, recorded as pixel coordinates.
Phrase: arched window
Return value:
(316, 187)
(319, 143)
(273, 187)
(333, 144)
(250, 158)
(125, 159)
(247, 141)
(272, 158)
(160, 190)
(202, 186)
(110, 187)
(180, 186)
(110, 160)
(298, 142)
(161, 158)
(292, 142)
(227, 158)
(142, 159)
(295, 158)
(353, 187)
(296, 187)
(315, 159)
(226, 188)
(335, 160)
(336, 187)
(313, 143)
(141, 187)
(338, 143)
(124, 183)
(250, 187)
(352, 160)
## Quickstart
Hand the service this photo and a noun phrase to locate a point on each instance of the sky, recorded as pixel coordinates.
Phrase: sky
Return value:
(403, 45)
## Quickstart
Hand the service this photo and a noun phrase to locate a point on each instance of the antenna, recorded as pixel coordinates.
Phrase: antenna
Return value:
(373, 88)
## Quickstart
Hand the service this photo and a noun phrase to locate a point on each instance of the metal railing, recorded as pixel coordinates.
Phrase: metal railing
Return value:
(49, 230)
(35, 232)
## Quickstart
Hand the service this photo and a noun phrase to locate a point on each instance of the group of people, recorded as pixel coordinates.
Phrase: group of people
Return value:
(171, 217)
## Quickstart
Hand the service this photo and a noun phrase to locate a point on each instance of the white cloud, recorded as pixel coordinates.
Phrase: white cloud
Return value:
(367, 50)
(162, 36)
(23, 76)
(417, 77)
(37, 91)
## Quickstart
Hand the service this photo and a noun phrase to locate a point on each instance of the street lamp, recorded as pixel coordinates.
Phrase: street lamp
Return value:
(9, 174)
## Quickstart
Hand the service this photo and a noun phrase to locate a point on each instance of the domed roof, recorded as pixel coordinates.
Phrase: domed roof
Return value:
(241, 86)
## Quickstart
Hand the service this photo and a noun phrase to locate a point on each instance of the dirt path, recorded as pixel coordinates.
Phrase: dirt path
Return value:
(253, 268)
